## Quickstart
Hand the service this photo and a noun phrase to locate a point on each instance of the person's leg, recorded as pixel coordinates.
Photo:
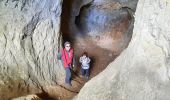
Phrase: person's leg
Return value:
(87, 73)
(82, 72)
(68, 76)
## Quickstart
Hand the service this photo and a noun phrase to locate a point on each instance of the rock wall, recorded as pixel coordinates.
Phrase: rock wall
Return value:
(142, 71)
(103, 26)
(29, 41)
(98, 20)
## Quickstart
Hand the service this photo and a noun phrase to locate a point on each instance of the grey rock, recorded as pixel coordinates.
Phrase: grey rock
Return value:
(108, 23)
(29, 40)
(141, 72)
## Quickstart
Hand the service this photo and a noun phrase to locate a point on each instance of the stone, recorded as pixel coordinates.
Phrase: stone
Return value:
(28, 97)
(29, 40)
(141, 72)
(101, 26)
(107, 23)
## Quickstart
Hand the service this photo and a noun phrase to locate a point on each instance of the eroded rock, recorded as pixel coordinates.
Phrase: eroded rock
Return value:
(29, 35)
(101, 28)
(141, 72)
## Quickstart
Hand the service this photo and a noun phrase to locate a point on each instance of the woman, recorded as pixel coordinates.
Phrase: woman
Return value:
(67, 58)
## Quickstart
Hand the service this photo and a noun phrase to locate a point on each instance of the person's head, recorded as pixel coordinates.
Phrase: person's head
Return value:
(84, 54)
(67, 45)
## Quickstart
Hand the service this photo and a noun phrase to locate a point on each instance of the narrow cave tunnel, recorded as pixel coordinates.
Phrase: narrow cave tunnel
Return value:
(102, 29)
(32, 30)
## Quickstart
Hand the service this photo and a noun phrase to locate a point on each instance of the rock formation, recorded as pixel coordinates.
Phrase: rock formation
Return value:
(29, 40)
(141, 72)
(103, 26)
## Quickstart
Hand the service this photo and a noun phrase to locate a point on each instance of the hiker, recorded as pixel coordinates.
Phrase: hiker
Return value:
(67, 57)
(85, 65)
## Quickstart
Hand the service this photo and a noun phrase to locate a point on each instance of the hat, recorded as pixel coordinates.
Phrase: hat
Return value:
(66, 43)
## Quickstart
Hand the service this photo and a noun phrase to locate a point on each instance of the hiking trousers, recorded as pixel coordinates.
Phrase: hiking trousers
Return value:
(85, 72)
(68, 75)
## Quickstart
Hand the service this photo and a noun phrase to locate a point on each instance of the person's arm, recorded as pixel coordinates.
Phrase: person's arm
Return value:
(88, 60)
(80, 60)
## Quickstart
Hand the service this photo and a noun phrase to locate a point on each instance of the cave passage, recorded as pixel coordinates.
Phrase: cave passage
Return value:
(102, 29)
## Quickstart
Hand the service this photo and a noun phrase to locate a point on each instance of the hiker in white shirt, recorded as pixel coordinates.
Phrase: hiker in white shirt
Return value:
(85, 65)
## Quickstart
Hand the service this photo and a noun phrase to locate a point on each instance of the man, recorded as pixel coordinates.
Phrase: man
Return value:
(67, 58)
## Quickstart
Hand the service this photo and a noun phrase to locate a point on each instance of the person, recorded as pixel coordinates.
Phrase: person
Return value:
(85, 65)
(67, 57)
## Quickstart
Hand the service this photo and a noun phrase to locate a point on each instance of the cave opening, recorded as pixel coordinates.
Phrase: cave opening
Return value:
(103, 30)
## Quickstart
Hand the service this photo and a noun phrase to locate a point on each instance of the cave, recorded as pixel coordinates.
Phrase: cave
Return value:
(102, 29)
(126, 40)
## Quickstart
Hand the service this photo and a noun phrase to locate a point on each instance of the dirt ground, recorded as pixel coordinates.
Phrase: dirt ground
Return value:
(100, 58)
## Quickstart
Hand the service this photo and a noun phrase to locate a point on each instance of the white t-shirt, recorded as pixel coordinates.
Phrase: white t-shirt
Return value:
(85, 62)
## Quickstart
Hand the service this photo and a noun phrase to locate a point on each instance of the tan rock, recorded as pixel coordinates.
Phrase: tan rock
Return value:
(29, 40)
(141, 72)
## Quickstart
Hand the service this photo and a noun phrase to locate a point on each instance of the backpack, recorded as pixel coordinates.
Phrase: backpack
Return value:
(59, 56)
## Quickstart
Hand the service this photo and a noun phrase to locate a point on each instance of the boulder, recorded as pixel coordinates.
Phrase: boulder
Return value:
(142, 71)
(30, 41)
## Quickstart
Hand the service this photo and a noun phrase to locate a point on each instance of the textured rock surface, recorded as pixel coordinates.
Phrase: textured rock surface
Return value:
(103, 26)
(28, 97)
(107, 23)
(29, 40)
(141, 72)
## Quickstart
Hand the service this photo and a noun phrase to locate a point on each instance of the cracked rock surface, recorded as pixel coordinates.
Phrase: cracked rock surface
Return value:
(29, 41)
(103, 28)
(141, 72)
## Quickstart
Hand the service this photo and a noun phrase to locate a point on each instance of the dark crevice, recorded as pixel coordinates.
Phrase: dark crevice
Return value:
(65, 19)
(44, 96)
(77, 18)
(24, 3)
(30, 27)
(130, 11)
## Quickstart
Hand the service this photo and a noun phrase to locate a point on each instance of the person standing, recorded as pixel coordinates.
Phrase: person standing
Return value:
(67, 58)
(85, 65)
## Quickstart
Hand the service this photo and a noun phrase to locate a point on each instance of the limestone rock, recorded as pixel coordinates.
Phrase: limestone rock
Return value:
(29, 40)
(141, 72)
(28, 97)
(103, 26)
(108, 23)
